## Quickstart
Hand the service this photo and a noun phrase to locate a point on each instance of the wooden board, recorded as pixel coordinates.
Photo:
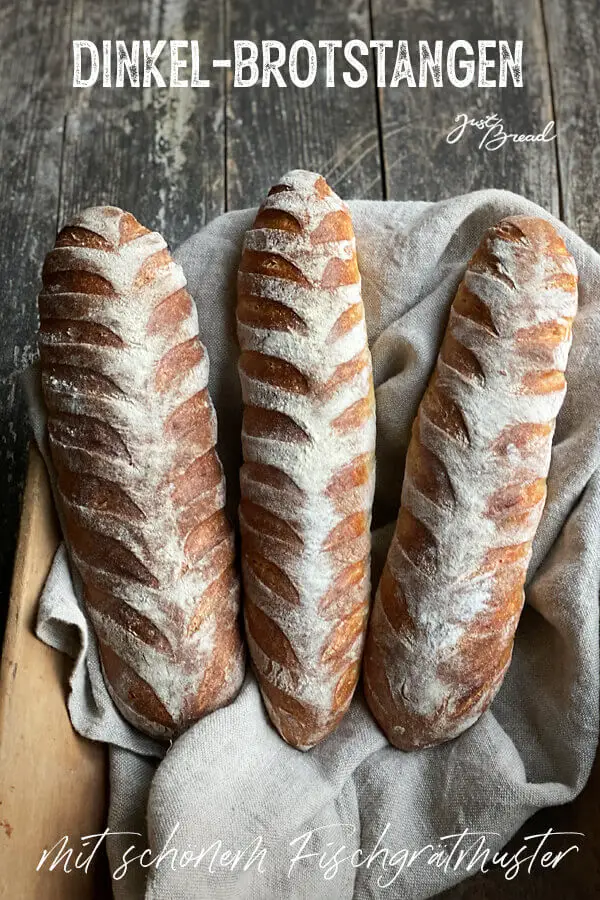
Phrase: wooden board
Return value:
(31, 126)
(419, 163)
(52, 782)
(157, 153)
(331, 130)
(177, 160)
(62, 790)
(160, 154)
(573, 29)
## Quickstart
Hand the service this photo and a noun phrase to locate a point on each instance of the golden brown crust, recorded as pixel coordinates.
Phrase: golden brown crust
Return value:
(132, 435)
(308, 440)
(451, 593)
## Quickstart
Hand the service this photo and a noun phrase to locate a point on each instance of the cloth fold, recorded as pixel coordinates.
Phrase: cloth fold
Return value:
(258, 819)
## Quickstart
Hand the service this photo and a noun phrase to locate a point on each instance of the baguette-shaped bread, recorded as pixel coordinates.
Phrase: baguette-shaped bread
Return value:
(308, 443)
(441, 634)
(132, 434)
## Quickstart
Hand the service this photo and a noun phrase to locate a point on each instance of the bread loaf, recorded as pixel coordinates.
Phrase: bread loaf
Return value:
(308, 441)
(132, 435)
(441, 633)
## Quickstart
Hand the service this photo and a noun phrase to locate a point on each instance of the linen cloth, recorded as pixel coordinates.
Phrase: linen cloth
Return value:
(230, 778)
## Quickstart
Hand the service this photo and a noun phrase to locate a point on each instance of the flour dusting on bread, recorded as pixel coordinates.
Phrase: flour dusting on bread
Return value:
(308, 442)
(132, 433)
(441, 633)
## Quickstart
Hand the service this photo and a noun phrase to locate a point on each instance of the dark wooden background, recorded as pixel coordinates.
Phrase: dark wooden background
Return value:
(177, 159)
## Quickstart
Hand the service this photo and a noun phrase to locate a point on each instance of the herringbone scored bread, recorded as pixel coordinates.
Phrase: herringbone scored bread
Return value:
(308, 443)
(132, 435)
(441, 634)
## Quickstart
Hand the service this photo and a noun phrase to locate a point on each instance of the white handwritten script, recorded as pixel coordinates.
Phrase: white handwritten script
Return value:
(467, 849)
(494, 133)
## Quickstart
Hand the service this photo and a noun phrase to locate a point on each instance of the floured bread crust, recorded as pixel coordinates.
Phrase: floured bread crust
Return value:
(308, 443)
(132, 434)
(441, 634)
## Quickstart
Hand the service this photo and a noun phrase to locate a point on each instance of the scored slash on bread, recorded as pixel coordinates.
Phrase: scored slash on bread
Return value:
(140, 487)
(308, 442)
(141, 491)
(441, 633)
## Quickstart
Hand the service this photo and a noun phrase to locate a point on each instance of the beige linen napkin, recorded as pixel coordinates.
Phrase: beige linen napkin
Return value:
(230, 782)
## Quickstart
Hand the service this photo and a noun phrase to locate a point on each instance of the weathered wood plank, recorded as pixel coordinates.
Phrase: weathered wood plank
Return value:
(419, 163)
(157, 152)
(573, 30)
(573, 35)
(32, 88)
(43, 762)
(332, 130)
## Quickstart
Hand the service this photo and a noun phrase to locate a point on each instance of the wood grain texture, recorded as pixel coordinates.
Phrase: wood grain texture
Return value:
(31, 113)
(156, 152)
(33, 687)
(419, 163)
(159, 153)
(333, 131)
(112, 157)
(577, 877)
(573, 32)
